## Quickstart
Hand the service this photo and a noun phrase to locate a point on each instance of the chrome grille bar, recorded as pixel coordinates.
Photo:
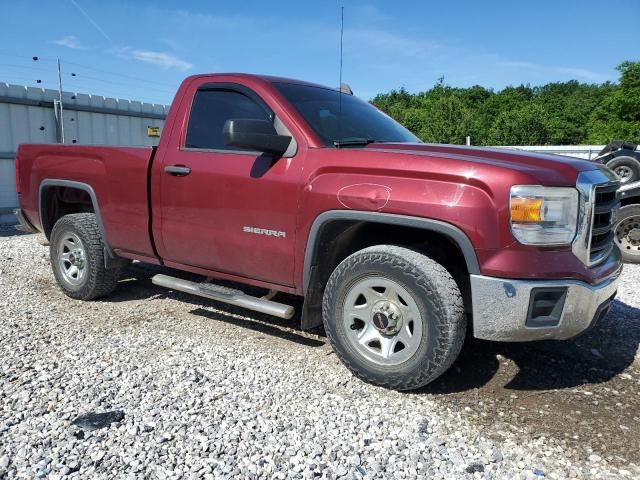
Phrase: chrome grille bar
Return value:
(598, 203)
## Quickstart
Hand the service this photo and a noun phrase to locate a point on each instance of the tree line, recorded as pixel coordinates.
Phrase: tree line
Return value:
(559, 113)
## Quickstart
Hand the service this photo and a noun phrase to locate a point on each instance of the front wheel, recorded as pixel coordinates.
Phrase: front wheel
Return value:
(627, 232)
(394, 316)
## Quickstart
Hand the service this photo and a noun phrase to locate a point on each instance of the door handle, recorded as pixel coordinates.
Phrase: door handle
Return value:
(177, 170)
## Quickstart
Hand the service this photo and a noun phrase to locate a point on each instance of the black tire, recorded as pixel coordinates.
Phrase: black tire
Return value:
(627, 168)
(627, 231)
(96, 280)
(436, 296)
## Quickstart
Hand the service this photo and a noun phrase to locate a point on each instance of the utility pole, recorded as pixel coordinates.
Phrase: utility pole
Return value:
(57, 104)
(60, 102)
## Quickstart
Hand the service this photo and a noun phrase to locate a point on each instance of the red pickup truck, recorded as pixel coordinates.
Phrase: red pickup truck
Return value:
(397, 246)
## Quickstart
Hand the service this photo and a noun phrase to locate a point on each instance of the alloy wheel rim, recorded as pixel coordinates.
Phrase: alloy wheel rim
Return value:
(72, 259)
(382, 321)
(624, 172)
(628, 235)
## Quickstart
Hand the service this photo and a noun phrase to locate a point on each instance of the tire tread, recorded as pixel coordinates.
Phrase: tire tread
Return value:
(101, 280)
(436, 282)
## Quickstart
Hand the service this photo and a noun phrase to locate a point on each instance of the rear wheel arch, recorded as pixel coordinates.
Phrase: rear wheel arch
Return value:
(339, 234)
(50, 187)
(48, 218)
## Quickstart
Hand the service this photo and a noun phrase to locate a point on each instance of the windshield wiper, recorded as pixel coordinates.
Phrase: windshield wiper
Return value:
(352, 142)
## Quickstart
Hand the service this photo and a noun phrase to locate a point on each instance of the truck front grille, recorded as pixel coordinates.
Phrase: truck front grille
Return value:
(604, 207)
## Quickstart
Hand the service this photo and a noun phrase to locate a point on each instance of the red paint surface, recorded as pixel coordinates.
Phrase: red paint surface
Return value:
(197, 220)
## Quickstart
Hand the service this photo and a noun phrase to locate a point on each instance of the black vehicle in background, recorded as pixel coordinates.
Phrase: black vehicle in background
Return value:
(627, 228)
(623, 158)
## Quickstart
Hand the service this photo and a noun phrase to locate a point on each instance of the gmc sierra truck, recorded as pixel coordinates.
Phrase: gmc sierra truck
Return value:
(398, 247)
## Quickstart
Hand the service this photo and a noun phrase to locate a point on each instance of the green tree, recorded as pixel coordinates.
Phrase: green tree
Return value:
(394, 102)
(568, 106)
(439, 115)
(525, 125)
(559, 113)
(448, 120)
(507, 100)
(618, 115)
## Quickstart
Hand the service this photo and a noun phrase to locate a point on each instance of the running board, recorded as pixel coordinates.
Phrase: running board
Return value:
(226, 295)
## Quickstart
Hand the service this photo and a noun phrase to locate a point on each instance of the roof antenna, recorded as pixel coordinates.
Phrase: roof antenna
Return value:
(340, 80)
(344, 87)
(341, 35)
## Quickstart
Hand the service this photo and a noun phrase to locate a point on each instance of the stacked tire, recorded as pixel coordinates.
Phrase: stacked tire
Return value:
(624, 159)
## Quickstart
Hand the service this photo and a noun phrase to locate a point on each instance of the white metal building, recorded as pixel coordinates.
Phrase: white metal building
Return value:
(32, 115)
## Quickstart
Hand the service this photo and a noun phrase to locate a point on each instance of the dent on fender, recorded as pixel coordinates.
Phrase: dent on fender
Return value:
(364, 196)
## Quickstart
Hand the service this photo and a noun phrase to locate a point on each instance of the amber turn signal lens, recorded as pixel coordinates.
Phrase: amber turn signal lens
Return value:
(526, 209)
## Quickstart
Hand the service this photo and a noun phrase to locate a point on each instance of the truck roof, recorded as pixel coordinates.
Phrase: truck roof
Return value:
(264, 78)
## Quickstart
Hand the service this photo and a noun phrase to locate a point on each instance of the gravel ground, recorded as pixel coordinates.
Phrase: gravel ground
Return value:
(215, 392)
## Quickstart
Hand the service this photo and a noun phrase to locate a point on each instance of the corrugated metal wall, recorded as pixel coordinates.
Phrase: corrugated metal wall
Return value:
(27, 116)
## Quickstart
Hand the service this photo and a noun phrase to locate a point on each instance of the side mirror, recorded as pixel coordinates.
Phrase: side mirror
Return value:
(259, 135)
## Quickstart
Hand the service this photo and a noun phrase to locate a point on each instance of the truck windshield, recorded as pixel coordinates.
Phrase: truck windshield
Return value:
(343, 122)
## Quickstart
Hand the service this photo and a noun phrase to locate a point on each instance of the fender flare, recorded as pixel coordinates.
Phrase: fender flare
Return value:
(52, 182)
(451, 231)
(455, 234)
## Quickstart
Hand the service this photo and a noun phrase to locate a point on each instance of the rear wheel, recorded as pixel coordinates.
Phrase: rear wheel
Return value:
(627, 168)
(627, 232)
(77, 258)
(394, 316)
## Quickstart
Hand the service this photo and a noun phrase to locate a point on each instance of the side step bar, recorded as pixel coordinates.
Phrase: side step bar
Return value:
(226, 295)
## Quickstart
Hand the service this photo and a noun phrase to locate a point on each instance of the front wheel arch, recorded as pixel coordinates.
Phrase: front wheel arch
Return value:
(343, 225)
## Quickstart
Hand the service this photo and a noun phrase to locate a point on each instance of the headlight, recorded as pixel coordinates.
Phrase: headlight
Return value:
(544, 215)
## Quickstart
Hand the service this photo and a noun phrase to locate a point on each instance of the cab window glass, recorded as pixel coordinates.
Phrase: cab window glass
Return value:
(209, 112)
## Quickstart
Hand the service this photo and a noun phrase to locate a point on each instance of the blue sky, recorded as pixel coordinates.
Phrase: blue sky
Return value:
(142, 50)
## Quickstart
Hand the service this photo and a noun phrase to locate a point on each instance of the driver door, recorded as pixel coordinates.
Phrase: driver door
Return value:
(226, 209)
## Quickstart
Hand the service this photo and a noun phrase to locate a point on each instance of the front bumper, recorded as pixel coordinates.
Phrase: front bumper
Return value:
(502, 308)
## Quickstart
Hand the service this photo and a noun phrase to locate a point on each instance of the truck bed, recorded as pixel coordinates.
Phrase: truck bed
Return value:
(118, 177)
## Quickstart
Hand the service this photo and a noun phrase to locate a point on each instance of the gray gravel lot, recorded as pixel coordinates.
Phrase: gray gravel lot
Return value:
(215, 392)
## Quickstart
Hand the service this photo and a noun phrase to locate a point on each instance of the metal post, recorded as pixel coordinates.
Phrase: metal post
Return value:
(468, 140)
(60, 102)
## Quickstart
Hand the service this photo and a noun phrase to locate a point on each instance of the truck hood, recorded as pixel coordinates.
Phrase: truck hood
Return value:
(548, 169)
